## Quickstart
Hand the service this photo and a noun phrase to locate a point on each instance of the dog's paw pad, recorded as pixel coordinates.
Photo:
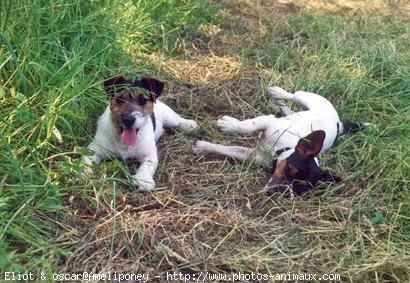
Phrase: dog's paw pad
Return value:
(143, 184)
(144, 187)
(200, 147)
(279, 93)
(273, 89)
(227, 123)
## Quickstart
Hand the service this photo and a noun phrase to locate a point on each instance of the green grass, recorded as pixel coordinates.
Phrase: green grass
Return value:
(211, 214)
(53, 57)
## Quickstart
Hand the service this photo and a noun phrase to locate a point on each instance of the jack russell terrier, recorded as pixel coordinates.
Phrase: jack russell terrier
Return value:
(132, 124)
(292, 141)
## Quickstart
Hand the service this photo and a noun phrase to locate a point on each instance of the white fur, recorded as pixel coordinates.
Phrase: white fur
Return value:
(107, 143)
(278, 133)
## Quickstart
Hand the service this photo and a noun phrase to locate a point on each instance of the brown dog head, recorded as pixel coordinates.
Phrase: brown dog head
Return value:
(300, 170)
(131, 101)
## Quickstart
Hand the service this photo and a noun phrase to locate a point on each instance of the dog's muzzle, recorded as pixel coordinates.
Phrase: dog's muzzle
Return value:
(128, 133)
(128, 121)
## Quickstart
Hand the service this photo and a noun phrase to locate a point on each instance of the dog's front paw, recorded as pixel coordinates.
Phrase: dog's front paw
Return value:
(143, 183)
(227, 124)
(188, 124)
(201, 147)
(87, 170)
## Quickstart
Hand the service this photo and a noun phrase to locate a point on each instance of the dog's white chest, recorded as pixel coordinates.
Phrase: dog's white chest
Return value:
(286, 131)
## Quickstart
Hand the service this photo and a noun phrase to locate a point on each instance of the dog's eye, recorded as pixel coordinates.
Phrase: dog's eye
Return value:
(142, 101)
(288, 171)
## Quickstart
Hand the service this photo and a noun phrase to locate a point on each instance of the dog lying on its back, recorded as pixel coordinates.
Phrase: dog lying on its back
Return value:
(292, 141)
(132, 124)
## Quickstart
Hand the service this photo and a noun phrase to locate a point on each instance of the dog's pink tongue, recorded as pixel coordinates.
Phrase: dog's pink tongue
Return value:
(129, 136)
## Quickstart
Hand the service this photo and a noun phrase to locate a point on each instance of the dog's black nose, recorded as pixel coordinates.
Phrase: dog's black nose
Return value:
(128, 121)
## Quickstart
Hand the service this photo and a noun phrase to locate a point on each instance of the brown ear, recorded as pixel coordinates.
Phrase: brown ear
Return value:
(111, 82)
(312, 144)
(153, 85)
(329, 176)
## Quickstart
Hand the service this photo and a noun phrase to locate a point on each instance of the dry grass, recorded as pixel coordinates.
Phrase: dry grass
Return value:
(204, 69)
(272, 9)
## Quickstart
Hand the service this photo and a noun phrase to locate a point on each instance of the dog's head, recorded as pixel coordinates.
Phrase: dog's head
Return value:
(300, 169)
(131, 101)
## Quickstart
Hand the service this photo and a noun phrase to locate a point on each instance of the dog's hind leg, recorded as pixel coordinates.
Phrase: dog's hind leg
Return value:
(171, 119)
(311, 101)
(237, 152)
(306, 100)
(279, 93)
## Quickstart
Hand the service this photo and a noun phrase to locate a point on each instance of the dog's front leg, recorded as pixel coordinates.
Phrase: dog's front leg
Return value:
(233, 125)
(144, 178)
(96, 158)
(238, 152)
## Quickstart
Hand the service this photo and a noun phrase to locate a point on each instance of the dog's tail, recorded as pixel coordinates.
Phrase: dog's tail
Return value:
(350, 127)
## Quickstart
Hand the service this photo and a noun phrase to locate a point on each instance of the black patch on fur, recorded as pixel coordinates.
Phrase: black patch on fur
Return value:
(338, 133)
(308, 170)
(153, 85)
(113, 85)
(118, 83)
(299, 190)
(154, 123)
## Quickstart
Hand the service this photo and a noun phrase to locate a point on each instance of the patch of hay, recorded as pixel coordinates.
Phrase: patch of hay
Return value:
(204, 69)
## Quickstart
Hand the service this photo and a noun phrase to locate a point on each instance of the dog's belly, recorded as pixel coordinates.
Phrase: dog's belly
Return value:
(286, 131)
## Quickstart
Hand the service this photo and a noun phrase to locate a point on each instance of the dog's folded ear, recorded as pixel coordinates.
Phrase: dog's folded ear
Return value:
(152, 85)
(311, 145)
(109, 84)
(113, 84)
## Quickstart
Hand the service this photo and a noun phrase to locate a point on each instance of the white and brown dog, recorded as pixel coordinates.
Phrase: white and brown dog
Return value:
(292, 141)
(131, 125)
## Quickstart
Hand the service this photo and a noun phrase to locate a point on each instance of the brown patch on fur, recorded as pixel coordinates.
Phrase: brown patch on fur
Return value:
(311, 145)
(284, 176)
(278, 176)
(128, 101)
(284, 172)
(292, 170)
(125, 102)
